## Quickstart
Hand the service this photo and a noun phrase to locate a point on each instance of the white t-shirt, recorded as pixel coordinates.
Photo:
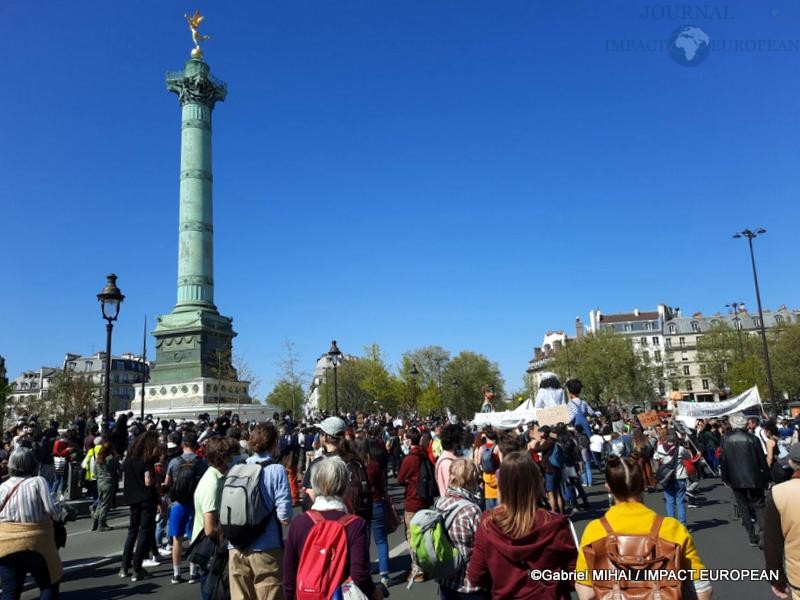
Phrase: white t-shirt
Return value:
(596, 443)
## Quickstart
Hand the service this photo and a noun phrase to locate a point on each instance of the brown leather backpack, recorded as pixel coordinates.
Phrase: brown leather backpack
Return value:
(630, 557)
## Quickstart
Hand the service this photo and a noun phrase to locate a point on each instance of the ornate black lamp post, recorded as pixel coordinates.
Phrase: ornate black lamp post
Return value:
(110, 301)
(751, 235)
(414, 372)
(335, 355)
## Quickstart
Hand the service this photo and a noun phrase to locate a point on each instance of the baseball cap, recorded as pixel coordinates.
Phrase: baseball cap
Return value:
(333, 426)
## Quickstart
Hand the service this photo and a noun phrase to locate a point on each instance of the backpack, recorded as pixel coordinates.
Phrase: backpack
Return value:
(668, 472)
(635, 555)
(185, 482)
(357, 495)
(431, 544)
(324, 558)
(243, 511)
(427, 488)
(556, 458)
(487, 460)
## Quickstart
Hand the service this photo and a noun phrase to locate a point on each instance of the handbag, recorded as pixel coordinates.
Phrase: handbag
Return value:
(390, 515)
(349, 591)
(202, 550)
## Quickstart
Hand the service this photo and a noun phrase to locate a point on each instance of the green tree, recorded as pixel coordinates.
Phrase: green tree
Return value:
(377, 382)
(285, 396)
(71, 394)
(291, 373)
(747, 373)
(785, 355)
(463, 378)
(5, 391)
(608, 368)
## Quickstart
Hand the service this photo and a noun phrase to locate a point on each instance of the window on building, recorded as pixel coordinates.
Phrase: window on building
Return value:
(756, 322)
(705, 384)
(656, 341)
(672, 328)
(779, 319)
(703, 370)
(674, 386)
(643, 341)
(657, 355)
(695, 326)
(668, 342)
(682, 342)
(688, 385)
(661, 388)
(737, 323)
(684, 356)
(686, 370)
(627, 326)
(646, 356)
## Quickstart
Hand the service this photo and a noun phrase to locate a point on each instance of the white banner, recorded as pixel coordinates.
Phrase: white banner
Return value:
(507, 419)
(691, 411)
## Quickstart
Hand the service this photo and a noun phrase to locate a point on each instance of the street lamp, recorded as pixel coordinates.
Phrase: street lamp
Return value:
(751, 235)
(439, 362)
(414, 372)
(334, 356)
(110, 300)
(735, 306)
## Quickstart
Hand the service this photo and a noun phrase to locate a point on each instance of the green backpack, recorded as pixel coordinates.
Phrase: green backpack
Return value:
(436, 554)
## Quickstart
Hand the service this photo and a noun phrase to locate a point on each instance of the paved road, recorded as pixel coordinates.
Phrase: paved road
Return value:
(720, 539)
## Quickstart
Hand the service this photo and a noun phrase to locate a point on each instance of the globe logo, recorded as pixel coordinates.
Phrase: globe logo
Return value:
(689, 46)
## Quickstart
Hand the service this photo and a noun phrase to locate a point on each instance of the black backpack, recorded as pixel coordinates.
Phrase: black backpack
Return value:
(427, 488)
(357, 496)
(185, 482)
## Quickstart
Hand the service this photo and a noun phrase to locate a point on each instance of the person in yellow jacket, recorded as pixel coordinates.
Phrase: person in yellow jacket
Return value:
(89, 466)
(629, 516)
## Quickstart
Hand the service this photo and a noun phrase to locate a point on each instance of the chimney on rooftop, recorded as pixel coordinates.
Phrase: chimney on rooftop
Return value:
(635, 312)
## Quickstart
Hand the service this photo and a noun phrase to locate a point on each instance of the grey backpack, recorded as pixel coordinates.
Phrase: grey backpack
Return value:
(243, 511)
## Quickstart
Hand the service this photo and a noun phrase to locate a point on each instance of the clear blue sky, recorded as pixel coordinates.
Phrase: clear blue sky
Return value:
(455, 172)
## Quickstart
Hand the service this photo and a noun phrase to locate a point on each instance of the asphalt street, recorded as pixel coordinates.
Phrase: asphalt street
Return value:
(718, 535)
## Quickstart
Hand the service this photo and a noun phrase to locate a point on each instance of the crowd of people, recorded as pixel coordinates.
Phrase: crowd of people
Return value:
(283, 509)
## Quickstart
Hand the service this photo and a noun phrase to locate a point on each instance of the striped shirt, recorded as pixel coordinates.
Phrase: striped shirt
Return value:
(31, 503)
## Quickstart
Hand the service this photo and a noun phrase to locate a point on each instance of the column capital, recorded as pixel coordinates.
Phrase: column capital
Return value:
(196, 85)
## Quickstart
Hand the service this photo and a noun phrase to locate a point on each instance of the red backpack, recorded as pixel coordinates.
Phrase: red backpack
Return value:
(324, 558)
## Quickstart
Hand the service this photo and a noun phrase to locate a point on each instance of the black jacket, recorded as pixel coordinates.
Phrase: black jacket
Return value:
(742, 461)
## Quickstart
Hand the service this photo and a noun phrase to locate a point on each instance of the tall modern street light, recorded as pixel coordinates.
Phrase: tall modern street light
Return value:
(335, 355)
(751, 235)
(414, 372)
(110, 301)
(737, 323)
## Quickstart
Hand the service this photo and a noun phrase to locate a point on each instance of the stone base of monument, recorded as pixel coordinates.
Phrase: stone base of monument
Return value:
(188, 399)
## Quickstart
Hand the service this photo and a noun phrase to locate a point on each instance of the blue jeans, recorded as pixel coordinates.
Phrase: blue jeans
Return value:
(162, 525)
(674, 496)
(60, 483)
(713, 461)
(13, 569)
(381, 539)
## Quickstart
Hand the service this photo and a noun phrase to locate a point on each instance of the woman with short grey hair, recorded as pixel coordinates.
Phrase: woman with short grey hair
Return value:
(27, 538)
(330, 479)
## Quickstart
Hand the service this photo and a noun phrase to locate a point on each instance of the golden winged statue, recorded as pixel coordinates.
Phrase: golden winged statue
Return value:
(197, 37)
